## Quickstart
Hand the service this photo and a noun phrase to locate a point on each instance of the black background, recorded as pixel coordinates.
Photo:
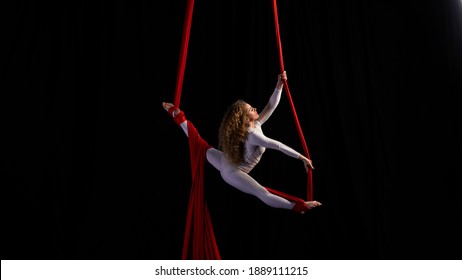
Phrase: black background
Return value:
(95, 168)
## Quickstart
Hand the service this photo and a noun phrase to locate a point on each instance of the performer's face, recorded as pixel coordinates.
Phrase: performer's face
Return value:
(251, 112)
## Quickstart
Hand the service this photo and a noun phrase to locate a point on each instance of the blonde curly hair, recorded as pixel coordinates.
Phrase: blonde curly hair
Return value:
(233, 132)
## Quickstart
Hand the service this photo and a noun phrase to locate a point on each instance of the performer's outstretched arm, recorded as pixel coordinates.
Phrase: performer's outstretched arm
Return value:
(273, 102)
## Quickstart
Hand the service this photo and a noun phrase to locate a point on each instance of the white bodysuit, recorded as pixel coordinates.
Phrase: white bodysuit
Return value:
(255, 146)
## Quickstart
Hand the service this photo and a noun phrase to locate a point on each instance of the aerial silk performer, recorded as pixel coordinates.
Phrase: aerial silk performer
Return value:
(241, 146)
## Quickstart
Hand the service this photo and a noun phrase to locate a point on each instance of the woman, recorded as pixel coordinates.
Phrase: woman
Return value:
(242, 145)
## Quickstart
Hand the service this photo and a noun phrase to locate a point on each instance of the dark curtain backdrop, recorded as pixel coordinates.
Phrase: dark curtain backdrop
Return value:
(96, 169)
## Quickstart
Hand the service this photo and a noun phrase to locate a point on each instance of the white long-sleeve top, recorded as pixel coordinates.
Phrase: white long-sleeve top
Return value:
(257, 142)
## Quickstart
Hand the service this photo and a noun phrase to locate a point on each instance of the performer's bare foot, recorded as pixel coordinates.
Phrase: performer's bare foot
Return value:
(303, 206)
(313, 203)
(167, 106)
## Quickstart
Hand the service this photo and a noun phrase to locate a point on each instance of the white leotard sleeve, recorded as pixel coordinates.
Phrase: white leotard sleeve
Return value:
(258, 139)
(256, 144)
(271, 106)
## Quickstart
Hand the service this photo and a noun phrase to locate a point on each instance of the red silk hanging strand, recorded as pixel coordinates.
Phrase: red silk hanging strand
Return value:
(292, 106)
(183, 52)
(199, 228)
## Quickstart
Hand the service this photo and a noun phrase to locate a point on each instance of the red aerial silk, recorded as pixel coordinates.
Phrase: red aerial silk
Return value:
(294, 113)
(199, 228)
(199, 240)
(198, 224)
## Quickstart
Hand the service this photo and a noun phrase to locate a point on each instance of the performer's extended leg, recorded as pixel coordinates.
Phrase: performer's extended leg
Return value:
(178, 116)
(245, 183)
(213, 155)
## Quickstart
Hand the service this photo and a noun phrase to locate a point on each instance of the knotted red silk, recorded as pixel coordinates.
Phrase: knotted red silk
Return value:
(199, 239)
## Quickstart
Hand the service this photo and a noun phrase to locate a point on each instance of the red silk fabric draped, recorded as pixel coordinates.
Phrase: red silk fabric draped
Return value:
(199, 228)
(199, 239)
(198, 223)
(294, 113)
